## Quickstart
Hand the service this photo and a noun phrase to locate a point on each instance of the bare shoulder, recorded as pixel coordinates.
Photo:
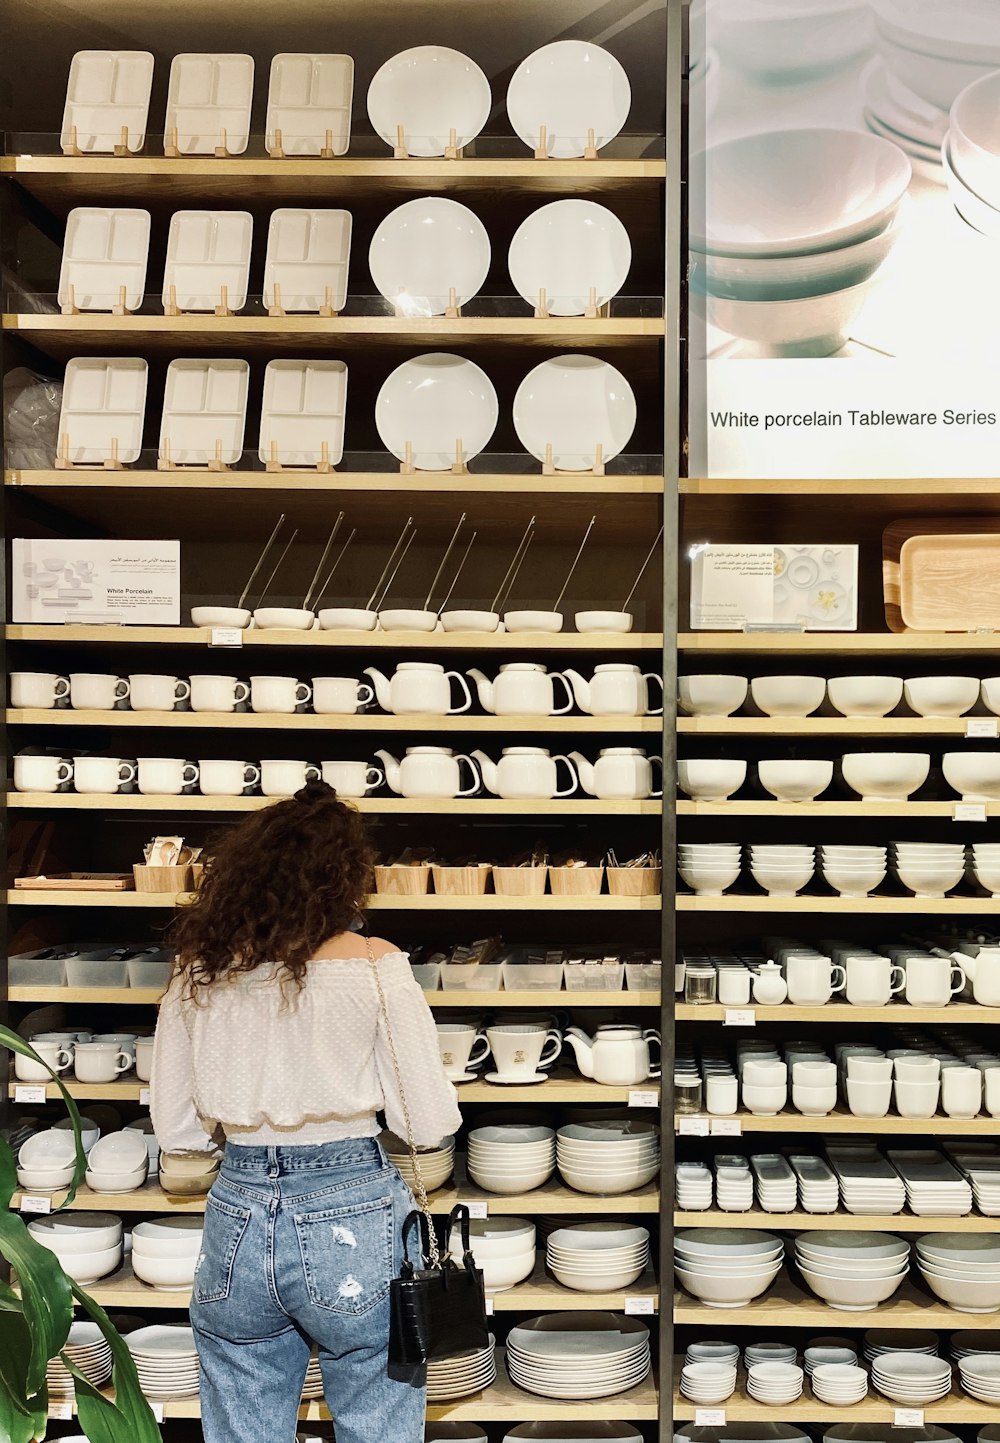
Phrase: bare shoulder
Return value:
(381, 948)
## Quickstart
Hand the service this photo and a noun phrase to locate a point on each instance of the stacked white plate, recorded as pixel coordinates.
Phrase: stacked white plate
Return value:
(828, 1355)
(878, 1341)
(842, 1384)
(934, 1188)
(87, 1350)
(962, 1269)
(727, 1267)
(775, 1383)
(436, 1163)
(578, 1355)
(981, 1376)
(983, 1174)
(776, 1188)
(313, 1386)
(712, 1350)
(912, 1379)
(733, 1184)
(598, 1256)
(512, 1157)
(819, 1191)
(708, 1382)
(471, 1371)
(692, 1187)
(852, 1271)
(165, 1359)
(608, 1158)
(869, 1185)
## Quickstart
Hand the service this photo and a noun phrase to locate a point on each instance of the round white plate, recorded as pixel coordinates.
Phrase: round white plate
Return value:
(429, 91)
(435, 401)
(571, 87)
(570, 248)
(426, 248)
(574, 404)
(901, 110)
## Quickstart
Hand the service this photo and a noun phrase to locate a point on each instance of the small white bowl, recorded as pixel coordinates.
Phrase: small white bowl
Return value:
(551, 621)
(35, 1179)
(711, 779)
(941, 696)
(970, 206)
(813, 326)
(169, 1237)
(928, 880)
(407, 618)
(347, 618)
(121, 1181)
(619, 621)
(284, 618)
(975, 137)
(717, 695)
(785, 278)
(974, 775)
(865, 696)
(86, 1268)
(885, 776)
(730, 1290)
(169, 1274)
(851, 1294)
(855, 883)
(788, 696)
(991, 694)
(225, 616)
(709, 880)
(119, 1150)
(52, 1147)
(469, 620)
(791, 780)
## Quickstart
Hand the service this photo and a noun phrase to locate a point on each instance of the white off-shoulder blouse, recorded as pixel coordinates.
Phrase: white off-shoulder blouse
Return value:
(316, 1070)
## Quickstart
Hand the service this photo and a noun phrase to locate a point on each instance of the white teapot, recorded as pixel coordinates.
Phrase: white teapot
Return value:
(983, 971)
(525, 773)
(617, 1056)
(429, 772)
(418, 687)
(619, 774)
(523, 688)
(617, 689)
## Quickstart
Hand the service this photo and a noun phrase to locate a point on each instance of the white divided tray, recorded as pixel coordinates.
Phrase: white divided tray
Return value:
(107, 101)
(309, 105)
(204, 412)
(103, 406)
(308, 253)
(208, 104)
(208, 260)
(302, 414)
(104, 259)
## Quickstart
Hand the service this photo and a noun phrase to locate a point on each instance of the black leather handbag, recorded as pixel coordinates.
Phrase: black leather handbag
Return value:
(440, 1309)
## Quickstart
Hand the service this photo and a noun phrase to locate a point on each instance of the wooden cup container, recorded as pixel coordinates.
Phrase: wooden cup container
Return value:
(576, 881)
(635, 881)
(460, 881)
(520, 881)
(162, 879)
(402, 881)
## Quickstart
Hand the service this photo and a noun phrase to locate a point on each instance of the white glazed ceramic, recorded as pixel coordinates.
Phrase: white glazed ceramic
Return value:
(429, 91)
(570, 87)
(791, 696)
(157, 693)
(428, 771)
(217, 693)
(285, 778)
(93, 691)
(444, 405)
(44, 774)
(576, 251)
(865, 696)
(571, 405)
(712, 695)
(885, 776)
(428, 254)
(39, 690)
(419, 687)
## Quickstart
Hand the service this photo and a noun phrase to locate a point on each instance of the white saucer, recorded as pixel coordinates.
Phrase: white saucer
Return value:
(517, 1081)
(462, 1077)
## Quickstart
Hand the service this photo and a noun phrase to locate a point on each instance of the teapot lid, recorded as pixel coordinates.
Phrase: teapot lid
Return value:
(616, 666)
(524, 666)
(525, 752)
(429, 752)
(419, 666)
(622, 752)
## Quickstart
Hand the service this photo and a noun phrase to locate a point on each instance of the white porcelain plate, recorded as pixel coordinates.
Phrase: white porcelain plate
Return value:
(204, 411)
(309, 101)
(577, 251)
(105, 249)
(426, 249)
(208, 103)
(429, 91)
(103, 406)
(571, 88)
(439, 403)
(308, 255)
(574, 404)
(302, 412)
(208, 259)
(107, 96)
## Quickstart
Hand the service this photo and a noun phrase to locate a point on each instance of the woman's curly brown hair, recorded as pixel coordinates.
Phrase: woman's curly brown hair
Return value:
(277, 887)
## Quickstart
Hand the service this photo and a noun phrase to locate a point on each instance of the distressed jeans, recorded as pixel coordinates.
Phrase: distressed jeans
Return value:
(300, 1246)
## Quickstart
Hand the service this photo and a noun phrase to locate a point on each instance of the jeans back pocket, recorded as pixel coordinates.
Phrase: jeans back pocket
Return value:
(347, 1255)
(225, 1225)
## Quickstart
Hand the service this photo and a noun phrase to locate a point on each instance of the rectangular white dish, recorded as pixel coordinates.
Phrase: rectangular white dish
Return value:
(107, 101)
(204, 412)
(302, 413)
(106, 249)
(208, 260)
(309, 104)
(308, 255)
(208, 104)
(103, 408)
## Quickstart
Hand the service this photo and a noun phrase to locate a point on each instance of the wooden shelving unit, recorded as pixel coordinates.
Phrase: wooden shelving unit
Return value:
(959, 906)
(842, 1013)
(848, 643)
(174, 636)
(742, 1408)
(786, 1305)
(363, 723)
(149, 996)
(821, 727)
(840, 1120)
(898, 811)
(43, 897)
(387, 806)
(799, 1221)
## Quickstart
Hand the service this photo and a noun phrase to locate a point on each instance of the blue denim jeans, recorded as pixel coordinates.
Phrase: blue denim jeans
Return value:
(300, 1246)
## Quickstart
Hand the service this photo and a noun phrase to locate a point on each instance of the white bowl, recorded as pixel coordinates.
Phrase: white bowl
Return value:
(937, 79)
(225, 616)
(125, 1150)
(36, 1179)
(347, 618)
(551, 621)
(284, 618)
(865, 696)
(506, 1185)
(788, 278)
(988, 875)
(77, 1232)
(470, 620)
(791, 780)
(618, 621)
(764, 1101)
(717, 695)
(406, 618)
(709, 880)
(965, 1296)
(930, 881)
(974, 775)
(611, 1183)
(991, 694)
(851, 1294)
(782, 881)
(982, 217)
(106, 1181)
(171, 1274)
(853, 881)
(711, 779)
(975, 137)
(729, 1290)
(51, 1148)
(585, 1280)
(885, 776)
(941, 696)
(726, 1242)
(502, 1237)
(963, 30)
(812, 326)
(86, 1268)
(169, 1237)
(788, 696)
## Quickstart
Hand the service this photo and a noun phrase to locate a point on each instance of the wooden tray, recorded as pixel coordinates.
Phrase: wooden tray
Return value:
(942, 574)
(78, 882)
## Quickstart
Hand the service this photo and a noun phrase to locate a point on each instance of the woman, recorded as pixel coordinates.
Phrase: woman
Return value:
(272, 1039)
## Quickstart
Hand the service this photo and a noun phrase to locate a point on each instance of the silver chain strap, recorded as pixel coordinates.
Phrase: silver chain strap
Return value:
(419, 1190)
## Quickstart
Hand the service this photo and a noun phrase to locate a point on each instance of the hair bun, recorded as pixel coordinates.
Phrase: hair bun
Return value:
(314, 793)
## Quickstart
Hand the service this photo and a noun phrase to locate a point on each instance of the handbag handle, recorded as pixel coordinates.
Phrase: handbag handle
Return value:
(420, 1191)
(460, 1214)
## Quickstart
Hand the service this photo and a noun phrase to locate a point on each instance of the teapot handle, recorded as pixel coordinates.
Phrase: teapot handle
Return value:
(653, 1039)
(476, 779)
(567, 791)
(570, 698)
(657, 761)
(654, 676)
(457, 676)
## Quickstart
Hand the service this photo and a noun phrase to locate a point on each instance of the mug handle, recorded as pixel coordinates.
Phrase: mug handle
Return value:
(651, 1036)
(121, 695)
(481, 1038)
(124, 1061)
(306, 690)
(69, 771)
(476, 780)
(57, 1064)
(894, 986)
(654, 676)
(657, 761)
(467, 704)
(374, 777)
(575, 782)
(313, 774)
(241, 686)
(61, 690)
(365, 700)
(182, 690)
(553, 1039)
(962, 975)
(191, 767)
(836, 986)
(127, 772)
(251, 775)
(570, 695)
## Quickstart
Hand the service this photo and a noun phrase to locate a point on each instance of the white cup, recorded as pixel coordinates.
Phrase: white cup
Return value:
(339, 695)
(352, 779)
(278, 693)
(217, 693)
(284, 779)
(721, 1095)
(734, 986)
(58, 1057)
(157, 693)
(100, 1061)
(869, 1099)
(931, 981)
(41, 774)
(872, 981)
(144, 1058)
(519, 1049)
(226, 778)
(812, 980)
(39, 690)
(961, 1091)
(95, 691)
(991, 1079)
(101, 775)
(165, 776)
(916, 1099)
(458, 1043)
(869, 1069)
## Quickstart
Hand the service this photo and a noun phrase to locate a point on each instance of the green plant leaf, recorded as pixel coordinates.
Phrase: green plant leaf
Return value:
(46, 1299)
(20, 1424)
(14, 1042)
(129, 1419)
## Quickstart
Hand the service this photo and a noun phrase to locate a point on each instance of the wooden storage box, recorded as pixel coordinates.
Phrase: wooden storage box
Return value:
(635, 881)
(576, 881)
(403, 881)
(162, 879)
(520, 881)
(461, 881)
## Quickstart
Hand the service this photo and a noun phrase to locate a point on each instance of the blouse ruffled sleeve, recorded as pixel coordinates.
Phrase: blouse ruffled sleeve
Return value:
(176, 1121)
(431, 1098)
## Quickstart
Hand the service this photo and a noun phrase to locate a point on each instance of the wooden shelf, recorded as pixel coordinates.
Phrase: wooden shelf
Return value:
(839, 1221)
(847, 643)
(43, 897)
(840, 1120)
(785, 1305)
(363, 485)
(843, 1012)
(851, 906)
(384, 806)
(364, 723)
(150, 1198)
(900, 811)
(149, 996)
(477, 641)
(980, 488)
(820, 727)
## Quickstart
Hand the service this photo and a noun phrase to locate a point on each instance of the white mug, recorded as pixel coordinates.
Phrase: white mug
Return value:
(734, 986)
(721, 1095)
(157, 693)
(352, 779)
(100, 1061)
(339, 695)
(519, 1049)
(26, 1069)
(931, 981)
(812, 980)
(872, 981)
(95, 691)
(165, 776)
(41, 774)
(284, 779)
(144, 1058)
(278, 693)
(37, 689)
(217, 693)
(226, 778)
(102, 775)
(457, 1043)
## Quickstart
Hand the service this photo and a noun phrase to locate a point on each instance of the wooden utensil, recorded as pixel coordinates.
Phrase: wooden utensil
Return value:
(942, 574)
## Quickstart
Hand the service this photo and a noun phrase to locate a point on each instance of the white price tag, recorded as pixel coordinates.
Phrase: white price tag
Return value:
(692, 1126)
(908, 1418)
(985, 727)
(39, 1205)
(643, 1097)
(61, 1412)
(710, 1417)
(156, 1409)
(490, 1307)
(30, 1093)
(740, 1017)
(969, 812)
(144, 1097)
(477, 1209)
(226, 636)
(726, 1127)
(639, 1307)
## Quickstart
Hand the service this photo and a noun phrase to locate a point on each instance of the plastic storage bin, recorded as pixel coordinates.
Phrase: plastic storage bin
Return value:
(97, 969)
(643, 976)
(427, 975)
(35, 969)
(594, 976)
(149, 971)
(532, 976)
(471, 976)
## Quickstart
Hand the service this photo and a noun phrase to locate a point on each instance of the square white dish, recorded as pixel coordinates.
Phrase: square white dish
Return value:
(208, 104)
(105, 249)
(309, 102)
(307, 261)
(107, 101)
(302, 411)
(103, 408)
(204, 412)
(208, 260)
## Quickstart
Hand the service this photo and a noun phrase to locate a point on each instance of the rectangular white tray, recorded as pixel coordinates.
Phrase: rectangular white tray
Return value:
(105, 248)
(208, 103)
(103, 402)
(204, 412)
(208, 251)
(107, 93)
(303, 407)
(308, 255)
(309, 102)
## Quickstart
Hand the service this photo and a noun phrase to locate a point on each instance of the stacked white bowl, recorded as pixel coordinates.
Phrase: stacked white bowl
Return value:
(980, 1375)
(885, 776)
(597, 1257)
(503, 1247)
(711, 779)
(165, 1251)
(814, 1086)
(854, 871)
(88, 1245)
(727, 1267)
(782, 871)
(46, 1160)
(436, 1163)
(463, 1373)
(763, 1084)
(929, 869)
(842, 1384)
(791, 779)
(87, 1350)
(511, 1157)
(709, 1382)
(118, 1162)
(608, 1158)
(692, 1186)
(144, 1126)
(971, 153)
(775, 1383)
(852, 1271)
(986, 865)
(709, 868)
(962, 1269)
(787, 264)
(912, 1379)
(578, 1355)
